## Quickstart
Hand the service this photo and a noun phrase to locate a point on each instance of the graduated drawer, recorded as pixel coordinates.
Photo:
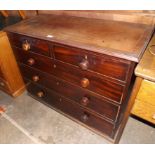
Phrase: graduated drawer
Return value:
(85, 79)
(109, 66)
(71, 109)
(84, 98)
(29, 44)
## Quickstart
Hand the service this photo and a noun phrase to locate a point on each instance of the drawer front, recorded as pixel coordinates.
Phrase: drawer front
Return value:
(30, 44)
(33, 60)
(3, 85)
(106, 65)
(71, 109)
(90, 81)
(82, 97)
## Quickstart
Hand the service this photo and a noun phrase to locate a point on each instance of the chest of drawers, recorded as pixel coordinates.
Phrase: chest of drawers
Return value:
(80, 67)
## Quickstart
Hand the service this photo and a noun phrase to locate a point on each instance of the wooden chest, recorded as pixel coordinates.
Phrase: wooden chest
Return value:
(80, 67)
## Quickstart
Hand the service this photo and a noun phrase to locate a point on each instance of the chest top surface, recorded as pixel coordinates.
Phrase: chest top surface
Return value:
(120, 39)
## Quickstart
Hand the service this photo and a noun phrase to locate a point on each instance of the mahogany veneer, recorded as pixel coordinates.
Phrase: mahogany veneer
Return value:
(81, 67)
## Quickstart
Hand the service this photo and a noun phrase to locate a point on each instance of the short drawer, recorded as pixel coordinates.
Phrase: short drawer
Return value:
(29, 44)
(71, 109)
(106, 65)
(83, 97)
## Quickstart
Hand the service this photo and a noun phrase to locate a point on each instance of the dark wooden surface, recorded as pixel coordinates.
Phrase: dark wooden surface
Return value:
(103, 94)
(108, 66)
(120, 39)
(95, 103)
(36, 45)
(84, 70)
(104, 87)
(72, 109)
(40, 62)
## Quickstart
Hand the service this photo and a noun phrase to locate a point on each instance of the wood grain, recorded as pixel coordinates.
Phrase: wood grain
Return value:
(144, 106)
(59, 74)
(102, 86)
(108, 66)
(120, 39)
(132, 16)
(146, 67)
(72, 109)
(95, 103)
(36, 45)
(9, 67)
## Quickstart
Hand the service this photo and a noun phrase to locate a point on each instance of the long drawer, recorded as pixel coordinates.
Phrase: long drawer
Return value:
(72, 109)
(83, 97)
(86, 80)
(87, 60)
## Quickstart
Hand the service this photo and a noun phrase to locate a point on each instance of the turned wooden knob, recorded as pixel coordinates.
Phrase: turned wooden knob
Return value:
(84, 64)
(85, 117)
(40, 94)
(35, 78)
(25, 46)
(31, 61)
(84, 101)
(84, 82)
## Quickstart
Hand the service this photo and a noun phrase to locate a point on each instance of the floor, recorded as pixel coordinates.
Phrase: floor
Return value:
(27, 121)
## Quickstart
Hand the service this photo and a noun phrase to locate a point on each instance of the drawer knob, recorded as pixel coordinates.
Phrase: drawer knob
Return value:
(85, 117)
(2, 84)
(31, 61)
(35, 78)
(84, 101)
(85, 82)
(26, 46)
(40, 94)
(84, 64)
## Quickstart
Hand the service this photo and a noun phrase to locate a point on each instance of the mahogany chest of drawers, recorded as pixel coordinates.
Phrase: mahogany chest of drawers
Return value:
(80, 67)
